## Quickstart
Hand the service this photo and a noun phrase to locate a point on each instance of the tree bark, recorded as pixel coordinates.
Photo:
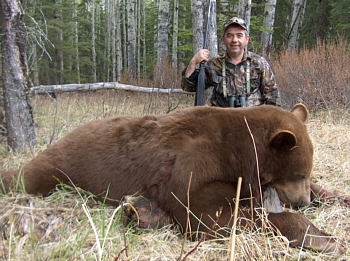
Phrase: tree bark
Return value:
(35, 69)
(113, 40)
(163, 29)
(197, 24)
(131, 37)
(19, 117)
(296, 23)
(125, 42)
(212, 29)
(93, 37)
(269, 19)
(119, 46)
(144, 41)
(138, 40)
(108, 38)
(60, 67)
(76, 41)
(175, 32)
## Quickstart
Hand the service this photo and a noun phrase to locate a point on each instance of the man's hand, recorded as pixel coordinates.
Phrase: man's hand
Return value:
(201, 55)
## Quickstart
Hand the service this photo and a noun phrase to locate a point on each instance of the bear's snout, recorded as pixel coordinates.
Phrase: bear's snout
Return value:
(295, 194)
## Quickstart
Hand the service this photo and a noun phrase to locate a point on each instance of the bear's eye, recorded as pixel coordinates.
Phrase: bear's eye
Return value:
(300, 177)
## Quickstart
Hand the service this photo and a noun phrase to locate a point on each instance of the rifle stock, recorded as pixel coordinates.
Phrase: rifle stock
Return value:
(200, 86)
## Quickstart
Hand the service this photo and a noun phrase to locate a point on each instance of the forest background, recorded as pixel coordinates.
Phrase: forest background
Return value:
(111, 40)
(149, 43)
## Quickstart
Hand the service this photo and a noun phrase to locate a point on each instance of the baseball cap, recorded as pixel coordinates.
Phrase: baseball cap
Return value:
(235, 20)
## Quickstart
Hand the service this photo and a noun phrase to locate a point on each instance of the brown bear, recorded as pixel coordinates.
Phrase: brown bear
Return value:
(153, 156)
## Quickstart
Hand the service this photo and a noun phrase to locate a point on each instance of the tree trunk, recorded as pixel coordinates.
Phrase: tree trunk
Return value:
(269, 19)
(93, 50)
(212, 30)
(119, 46)
(108, 38)
(175, 32)
(144, 41)
(197, 24)
(35, 66)
(244, 11)
(296, 23)
(76, 42)
(59, 49)
(138, 40)
(19, 117)
(131, 37)
(113, 40)
(125, 42)
(163, 29)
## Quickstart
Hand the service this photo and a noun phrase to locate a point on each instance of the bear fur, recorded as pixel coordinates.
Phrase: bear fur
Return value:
(153, 156)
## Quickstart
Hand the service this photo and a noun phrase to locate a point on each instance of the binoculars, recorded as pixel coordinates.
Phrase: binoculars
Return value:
(237, 101)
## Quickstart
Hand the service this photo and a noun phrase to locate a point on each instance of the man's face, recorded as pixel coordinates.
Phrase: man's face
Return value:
(235, 40)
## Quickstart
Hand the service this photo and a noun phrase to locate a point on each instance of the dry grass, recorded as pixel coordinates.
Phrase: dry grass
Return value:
(57, 228)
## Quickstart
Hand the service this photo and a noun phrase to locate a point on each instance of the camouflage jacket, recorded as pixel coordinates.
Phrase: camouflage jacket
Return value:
(263, 88)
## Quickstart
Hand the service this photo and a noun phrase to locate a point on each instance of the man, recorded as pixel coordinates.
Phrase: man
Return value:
(240, 78)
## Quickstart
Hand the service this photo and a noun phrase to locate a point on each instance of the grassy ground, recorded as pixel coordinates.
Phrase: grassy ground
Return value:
(72, 226)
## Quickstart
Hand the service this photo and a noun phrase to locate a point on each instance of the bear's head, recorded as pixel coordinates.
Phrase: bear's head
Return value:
(292, 151)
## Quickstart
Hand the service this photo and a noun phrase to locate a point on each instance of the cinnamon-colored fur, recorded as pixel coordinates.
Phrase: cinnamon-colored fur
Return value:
(153, 156)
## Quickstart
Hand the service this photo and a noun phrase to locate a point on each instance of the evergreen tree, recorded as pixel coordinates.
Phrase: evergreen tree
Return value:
(340, 18)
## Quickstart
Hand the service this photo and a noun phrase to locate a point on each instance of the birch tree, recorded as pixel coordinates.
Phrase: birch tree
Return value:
(269, 19)
(197, 24)
(244, 11)
(131, 37)
(296, 23)
(175, 32)
(163, 30)
(18, 112)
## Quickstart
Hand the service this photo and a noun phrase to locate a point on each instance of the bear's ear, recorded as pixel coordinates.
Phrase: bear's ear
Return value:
(283, 140)
(301, 112)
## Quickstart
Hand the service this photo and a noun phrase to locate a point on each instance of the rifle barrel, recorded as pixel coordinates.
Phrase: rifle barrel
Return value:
(199, 100)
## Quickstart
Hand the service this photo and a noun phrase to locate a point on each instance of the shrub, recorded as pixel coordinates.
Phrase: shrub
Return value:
(319, 77)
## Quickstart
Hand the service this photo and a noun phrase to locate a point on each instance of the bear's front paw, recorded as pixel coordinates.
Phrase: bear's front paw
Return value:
(145, 212)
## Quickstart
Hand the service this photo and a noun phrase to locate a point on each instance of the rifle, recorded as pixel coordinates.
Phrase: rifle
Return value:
(199, 100)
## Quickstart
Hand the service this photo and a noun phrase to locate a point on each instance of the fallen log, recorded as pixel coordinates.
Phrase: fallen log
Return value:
(59, 88)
